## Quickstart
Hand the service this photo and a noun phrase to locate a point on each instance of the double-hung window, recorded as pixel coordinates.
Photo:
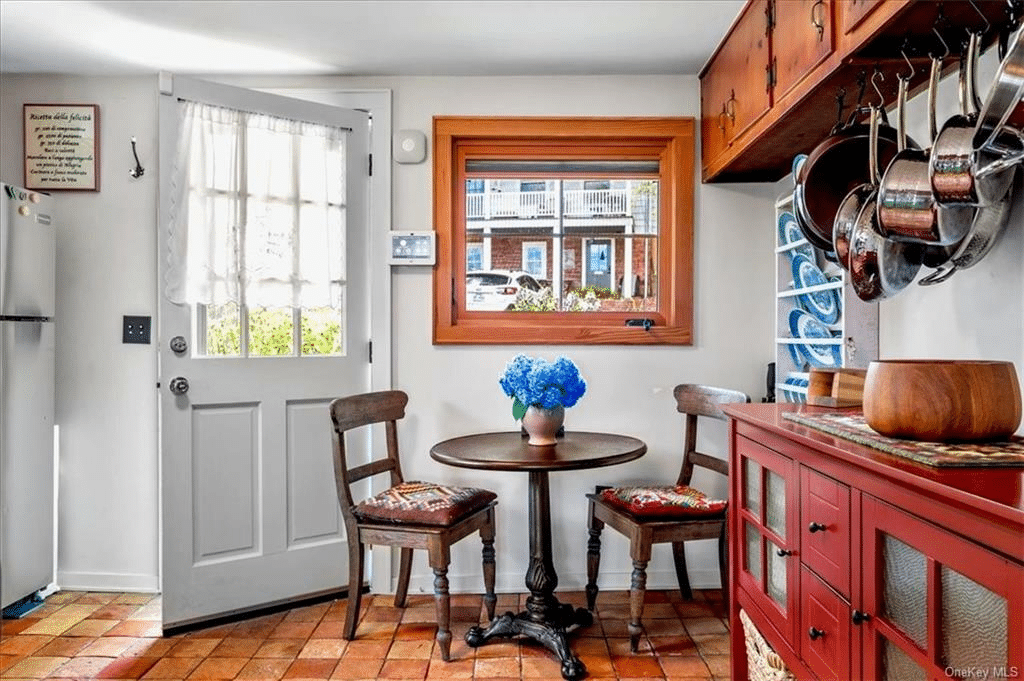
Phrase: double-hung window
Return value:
(599, 211)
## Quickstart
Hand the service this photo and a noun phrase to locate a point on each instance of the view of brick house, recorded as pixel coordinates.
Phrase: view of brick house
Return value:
(569, 234)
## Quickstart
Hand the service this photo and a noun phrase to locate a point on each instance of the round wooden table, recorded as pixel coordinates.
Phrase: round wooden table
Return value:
(545, 619)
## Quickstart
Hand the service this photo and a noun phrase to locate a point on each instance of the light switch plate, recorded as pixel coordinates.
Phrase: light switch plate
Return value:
(412, 248)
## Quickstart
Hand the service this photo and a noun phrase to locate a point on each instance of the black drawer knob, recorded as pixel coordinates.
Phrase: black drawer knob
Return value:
(816, 527)
(815, 634)
(859, 617)
(783, 553)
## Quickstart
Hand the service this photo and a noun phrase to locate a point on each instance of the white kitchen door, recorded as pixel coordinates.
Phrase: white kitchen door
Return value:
(249, 508)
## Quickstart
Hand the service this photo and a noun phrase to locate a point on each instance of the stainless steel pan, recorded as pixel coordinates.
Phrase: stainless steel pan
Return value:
(879, 267)
(955, 163)
(1005, 100)
(907, 210)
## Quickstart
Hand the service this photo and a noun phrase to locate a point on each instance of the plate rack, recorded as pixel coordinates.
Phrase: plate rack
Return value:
(855, 332)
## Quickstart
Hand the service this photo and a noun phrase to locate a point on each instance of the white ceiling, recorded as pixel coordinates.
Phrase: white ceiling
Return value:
(368, 37)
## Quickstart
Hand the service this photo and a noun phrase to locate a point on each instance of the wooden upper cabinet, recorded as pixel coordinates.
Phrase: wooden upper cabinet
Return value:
(801, 39)
(735, 89)
(852, 12)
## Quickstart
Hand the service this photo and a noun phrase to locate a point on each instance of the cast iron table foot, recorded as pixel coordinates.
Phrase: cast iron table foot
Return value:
(552, 635)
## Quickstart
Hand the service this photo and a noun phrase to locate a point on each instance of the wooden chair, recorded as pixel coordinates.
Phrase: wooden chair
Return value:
(677, 513)
(410, 515)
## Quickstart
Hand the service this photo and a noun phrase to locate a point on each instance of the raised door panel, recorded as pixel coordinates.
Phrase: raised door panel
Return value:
(715, 125)
(802, 39)
(825, 628)
(743, 61)
(825, 528)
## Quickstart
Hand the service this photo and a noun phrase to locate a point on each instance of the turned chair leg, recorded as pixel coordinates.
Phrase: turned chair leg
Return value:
(487, 538)
(442, 607)
(355, 586)
(595, 525)
(682, 575)
(637, 588)
(404, 570)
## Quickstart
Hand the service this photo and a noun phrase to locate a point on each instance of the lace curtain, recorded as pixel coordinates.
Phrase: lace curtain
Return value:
(258, 211)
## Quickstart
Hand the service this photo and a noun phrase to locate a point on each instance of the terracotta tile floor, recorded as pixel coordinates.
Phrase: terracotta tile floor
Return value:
(87, 635)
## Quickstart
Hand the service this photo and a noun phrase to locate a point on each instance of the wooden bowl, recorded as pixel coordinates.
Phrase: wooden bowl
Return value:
(942, 400)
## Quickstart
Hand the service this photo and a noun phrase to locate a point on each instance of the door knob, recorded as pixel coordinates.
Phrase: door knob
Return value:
(178, 385)
(178, 345)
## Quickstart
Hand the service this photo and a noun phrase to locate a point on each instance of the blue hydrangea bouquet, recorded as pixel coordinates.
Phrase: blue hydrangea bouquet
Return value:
(537, 382)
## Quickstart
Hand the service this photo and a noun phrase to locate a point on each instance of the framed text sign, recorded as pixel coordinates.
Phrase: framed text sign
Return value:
(62, 147)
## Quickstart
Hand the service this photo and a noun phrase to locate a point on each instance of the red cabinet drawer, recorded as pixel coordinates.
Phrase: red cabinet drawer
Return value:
(825, 628)
(825, 528)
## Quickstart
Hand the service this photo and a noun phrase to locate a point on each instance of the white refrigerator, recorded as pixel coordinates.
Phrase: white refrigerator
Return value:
(27, 282)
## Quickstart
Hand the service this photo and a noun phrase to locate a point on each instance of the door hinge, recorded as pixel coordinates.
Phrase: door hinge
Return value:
(370, 165)
(769, 74)
(769, 17)
(369, 351)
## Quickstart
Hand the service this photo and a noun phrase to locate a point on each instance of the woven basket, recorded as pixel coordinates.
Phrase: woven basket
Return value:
(763, 664)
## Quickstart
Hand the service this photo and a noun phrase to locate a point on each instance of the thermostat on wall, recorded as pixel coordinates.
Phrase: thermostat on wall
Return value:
(412, 248)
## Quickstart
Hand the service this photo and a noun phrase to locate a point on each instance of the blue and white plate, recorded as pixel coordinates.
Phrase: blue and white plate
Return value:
(798, 360)
(789, 232)
(822, 304)
(804, 325)
(798, 161)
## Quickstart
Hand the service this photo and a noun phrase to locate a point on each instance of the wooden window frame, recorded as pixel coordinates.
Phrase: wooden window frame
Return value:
(669, 140)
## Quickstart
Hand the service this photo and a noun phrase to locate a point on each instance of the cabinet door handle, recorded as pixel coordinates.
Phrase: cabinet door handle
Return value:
(730, 107)
(815, 634)
(859, 617)
(816, 22)
(816, 527)
(782, 553)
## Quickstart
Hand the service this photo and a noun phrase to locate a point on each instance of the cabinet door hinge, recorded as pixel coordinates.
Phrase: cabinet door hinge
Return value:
(370, 165)
(769, 74)
(769, 17)
(369, 351)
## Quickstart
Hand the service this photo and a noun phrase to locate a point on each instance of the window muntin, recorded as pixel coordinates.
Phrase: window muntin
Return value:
(488, 200)
(264, 269)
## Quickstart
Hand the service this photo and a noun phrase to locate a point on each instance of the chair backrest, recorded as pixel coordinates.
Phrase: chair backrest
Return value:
(702, 400)
(348, 413)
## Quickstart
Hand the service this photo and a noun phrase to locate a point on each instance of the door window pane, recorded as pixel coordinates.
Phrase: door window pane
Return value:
(775, 503)
(271, 332)
(896, 666)
(223, 330)
(321, 331)
(904, 583)
(776, 575)
(752, 487)
(753, 551)
(971, 614)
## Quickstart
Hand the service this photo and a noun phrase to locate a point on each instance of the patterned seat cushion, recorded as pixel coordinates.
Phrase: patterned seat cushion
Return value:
(423, 503)
(672, 501)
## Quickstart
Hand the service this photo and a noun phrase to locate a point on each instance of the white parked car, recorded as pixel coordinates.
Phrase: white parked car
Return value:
(493, 290)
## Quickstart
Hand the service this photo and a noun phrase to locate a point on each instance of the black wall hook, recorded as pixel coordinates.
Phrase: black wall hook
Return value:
(138, 171)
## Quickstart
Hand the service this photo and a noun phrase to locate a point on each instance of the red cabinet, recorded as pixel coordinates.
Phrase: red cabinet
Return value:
(856, 564)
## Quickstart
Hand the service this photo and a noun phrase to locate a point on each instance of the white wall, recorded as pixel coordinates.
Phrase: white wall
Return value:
(977, 313)
(106, 391)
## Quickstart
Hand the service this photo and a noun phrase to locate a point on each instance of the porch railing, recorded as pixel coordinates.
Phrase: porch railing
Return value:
(525, 205)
